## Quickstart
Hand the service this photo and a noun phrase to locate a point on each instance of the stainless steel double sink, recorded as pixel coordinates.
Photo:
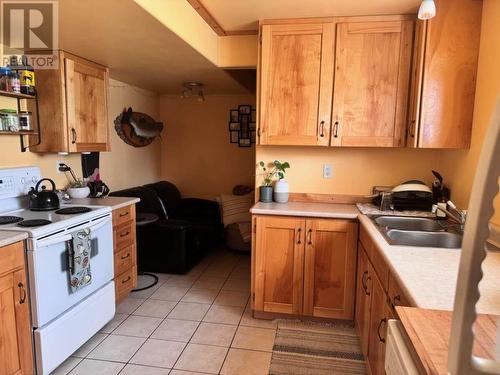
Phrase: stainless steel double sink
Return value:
(418, 231)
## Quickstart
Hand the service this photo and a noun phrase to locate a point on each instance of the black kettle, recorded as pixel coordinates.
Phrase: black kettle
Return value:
(43, 200)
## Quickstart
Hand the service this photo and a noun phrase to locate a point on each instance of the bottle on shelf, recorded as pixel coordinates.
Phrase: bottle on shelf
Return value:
(27, 77)
(4, 76)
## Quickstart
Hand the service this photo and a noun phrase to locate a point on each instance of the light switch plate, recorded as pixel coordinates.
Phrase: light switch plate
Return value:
(327, 171)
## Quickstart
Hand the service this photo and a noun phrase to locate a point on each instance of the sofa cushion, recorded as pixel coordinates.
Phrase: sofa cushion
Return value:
(236, 208)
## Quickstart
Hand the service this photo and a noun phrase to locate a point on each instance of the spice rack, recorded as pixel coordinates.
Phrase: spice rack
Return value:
(23, 133)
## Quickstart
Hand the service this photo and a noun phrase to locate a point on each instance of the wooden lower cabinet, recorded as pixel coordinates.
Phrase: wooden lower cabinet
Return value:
(279, 262)
(363, 299)
(330, 268)
(305, 266)
(16, 353)
(377, 294)
(380, 312)
(125, 257)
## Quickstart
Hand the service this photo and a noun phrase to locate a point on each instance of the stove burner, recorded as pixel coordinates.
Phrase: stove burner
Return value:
(73, 210)
(10, 219)
(34, 223)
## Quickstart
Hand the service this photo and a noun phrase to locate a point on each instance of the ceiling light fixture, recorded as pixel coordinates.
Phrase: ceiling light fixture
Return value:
(193, 90)
(427, 10)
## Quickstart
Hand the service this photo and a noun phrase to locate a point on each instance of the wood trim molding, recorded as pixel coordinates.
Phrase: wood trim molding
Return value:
(339, 19)
(328, 198)
(212, 22)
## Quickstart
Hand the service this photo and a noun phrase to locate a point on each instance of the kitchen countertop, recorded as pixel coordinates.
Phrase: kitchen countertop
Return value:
(7, 237)
(325, 210)
(113, 202)
(428, 274)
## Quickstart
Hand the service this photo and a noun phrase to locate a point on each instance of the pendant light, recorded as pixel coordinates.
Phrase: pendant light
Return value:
(427, 10)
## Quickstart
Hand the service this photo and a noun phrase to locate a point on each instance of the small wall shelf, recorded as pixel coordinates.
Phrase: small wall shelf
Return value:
(24, 133)
(16, 95)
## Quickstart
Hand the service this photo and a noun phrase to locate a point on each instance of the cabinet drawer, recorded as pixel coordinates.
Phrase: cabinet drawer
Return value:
(124, 214)
(125, 282)
(124, 259)
(396, 294)
(124, 235)
(11, 257)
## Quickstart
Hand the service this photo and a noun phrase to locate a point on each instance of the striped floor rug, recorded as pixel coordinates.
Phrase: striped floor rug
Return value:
(303, 348)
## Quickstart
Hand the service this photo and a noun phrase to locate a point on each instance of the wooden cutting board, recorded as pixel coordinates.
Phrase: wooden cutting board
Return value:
(429, 332)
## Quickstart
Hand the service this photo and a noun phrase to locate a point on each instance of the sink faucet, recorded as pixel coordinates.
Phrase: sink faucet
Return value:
(460, 216)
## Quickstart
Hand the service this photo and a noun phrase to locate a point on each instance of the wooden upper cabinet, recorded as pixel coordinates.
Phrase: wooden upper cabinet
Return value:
(73, 106)
(330, 268)
(296, 84)
(279, 262)
(86, 96)
(16, 353)
(372, 73)
(444, 76)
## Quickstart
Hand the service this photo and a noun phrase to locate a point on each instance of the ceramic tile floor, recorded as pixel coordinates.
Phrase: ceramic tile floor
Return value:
(198, 323)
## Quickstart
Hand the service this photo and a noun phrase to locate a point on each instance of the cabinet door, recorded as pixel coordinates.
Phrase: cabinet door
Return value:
(330, 268)
(449, 75)
(296, 84)
(363, 299)
(86, 105)
(279, 264)
(380, 313)
(372, 73)
(15, 333)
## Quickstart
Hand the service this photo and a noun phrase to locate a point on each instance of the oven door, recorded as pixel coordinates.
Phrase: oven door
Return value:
(56, 341)
(50, 291)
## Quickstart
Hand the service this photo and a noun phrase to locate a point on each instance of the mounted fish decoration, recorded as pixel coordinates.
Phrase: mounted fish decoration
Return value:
(137, 129)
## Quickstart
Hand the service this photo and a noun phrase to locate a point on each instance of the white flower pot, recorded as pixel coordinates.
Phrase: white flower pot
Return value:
(281, 191)
(82, 192)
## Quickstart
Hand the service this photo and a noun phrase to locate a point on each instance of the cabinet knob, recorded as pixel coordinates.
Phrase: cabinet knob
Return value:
(22, 293)
(382, 321)
(322, 129)
(309, 236)
(395, 299)
(367, 291)
(298, 236)
(336, 129)
(411, 129)
(73, 135)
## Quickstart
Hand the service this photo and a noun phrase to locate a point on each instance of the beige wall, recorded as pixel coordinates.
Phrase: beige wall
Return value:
(459, 166)
(124, 166)
(196, 153)
(355, 170)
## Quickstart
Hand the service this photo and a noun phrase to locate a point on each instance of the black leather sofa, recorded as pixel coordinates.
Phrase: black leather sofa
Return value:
(187, 229)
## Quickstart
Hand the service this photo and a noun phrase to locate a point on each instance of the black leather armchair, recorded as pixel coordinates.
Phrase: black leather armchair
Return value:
(186, 230)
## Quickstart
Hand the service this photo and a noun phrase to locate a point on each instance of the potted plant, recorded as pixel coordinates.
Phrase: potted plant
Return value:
(78, 189)
(270, 171)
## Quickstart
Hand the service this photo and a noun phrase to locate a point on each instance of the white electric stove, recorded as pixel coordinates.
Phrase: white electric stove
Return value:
(62, 320)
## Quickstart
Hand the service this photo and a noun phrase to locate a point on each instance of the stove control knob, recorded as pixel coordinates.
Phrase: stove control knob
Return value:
(23, 180)
(33, 179)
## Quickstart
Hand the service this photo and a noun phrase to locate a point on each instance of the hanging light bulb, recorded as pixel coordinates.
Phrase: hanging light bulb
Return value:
(427, 10)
